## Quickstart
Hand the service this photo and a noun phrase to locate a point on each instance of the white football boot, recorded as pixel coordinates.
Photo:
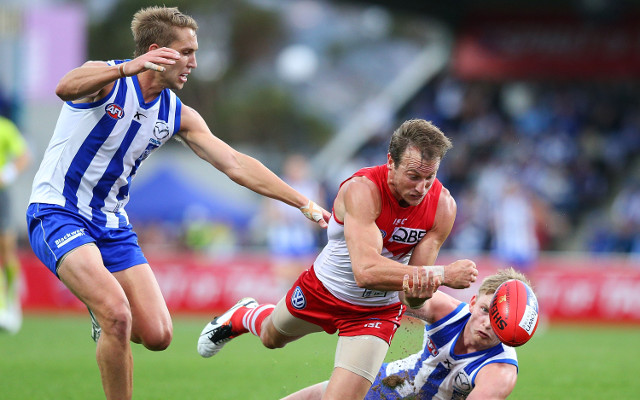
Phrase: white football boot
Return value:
(10, 304)
(218, 332)
(11, 318)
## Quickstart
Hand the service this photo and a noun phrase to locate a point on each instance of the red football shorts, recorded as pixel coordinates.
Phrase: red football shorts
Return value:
(309, 300)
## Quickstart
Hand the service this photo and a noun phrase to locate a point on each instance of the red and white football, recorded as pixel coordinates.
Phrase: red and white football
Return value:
(514, 313)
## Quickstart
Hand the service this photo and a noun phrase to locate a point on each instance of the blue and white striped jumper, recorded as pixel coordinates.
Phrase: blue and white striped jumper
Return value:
(436, 372)
(97, 148)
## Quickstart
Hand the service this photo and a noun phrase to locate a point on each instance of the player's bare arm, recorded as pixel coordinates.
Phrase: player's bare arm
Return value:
(438, 307)
(94, 79)
(358, 205)
(426, 252)
(239, 167)
(494, 382)
(419, 288)
(155, 59)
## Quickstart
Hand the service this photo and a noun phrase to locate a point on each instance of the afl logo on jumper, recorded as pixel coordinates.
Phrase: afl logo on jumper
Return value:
(114, 111)
(298, 301)
(432, 347)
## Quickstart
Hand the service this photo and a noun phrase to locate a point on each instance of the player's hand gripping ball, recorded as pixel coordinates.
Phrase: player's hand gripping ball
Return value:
(514, 313)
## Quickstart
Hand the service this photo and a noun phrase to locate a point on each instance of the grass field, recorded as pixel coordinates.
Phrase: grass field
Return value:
(53, 358)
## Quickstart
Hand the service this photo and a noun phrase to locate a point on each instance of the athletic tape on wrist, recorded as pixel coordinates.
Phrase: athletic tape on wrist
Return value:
(312, 211)
(437, 270)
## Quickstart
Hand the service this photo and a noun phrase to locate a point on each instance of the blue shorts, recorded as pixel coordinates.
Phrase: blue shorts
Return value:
(55, 230)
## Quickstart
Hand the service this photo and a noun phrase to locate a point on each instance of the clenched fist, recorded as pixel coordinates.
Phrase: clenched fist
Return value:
(460, 274)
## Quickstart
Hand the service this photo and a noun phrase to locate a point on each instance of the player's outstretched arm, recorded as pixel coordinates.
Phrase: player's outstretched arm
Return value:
(243, 169)
(436, 308)
(494, 382)
(316, 213)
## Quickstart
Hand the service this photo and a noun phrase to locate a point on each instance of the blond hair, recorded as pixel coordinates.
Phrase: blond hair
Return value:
(155, 25)
(491, 283)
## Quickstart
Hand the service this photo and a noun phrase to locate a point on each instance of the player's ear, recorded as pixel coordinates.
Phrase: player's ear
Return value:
(389, 162)
(473, 300)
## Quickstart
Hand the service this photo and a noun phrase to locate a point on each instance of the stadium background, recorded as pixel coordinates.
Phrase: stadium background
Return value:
(540, 95)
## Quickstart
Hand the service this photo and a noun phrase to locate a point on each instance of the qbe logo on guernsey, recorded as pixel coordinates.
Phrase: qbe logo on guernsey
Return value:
(407, 235)
(298, 301)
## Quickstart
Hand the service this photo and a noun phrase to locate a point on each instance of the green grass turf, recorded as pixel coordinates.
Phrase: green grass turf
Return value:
(53, 357)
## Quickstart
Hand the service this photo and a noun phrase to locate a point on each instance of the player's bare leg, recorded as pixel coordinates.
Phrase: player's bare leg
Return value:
(358, 360)
(151, 321)
(345, 385)
(4, 275)
(271, 338)
(83, 273)
(10, 307)
(281, 328)
(309, 393)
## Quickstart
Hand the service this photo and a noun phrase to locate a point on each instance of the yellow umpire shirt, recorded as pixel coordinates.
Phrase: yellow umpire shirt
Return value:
(12, 143)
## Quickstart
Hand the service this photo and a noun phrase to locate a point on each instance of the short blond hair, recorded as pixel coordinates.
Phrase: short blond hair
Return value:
(155, 25)
(491, 283)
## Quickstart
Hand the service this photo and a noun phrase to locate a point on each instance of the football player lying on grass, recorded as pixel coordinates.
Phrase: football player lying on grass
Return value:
(461, 356)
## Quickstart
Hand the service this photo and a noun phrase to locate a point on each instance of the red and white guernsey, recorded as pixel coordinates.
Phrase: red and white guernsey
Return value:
(401, 229)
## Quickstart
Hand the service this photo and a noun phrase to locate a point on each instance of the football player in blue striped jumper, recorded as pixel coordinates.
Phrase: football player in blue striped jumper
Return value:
(461, 356)
(115, 115)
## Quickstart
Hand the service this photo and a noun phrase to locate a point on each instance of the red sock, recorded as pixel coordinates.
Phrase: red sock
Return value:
(237, 327)
(252, 320)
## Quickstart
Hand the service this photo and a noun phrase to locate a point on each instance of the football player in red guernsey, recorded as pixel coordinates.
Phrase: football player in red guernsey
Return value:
(387, 220)
(461, 356)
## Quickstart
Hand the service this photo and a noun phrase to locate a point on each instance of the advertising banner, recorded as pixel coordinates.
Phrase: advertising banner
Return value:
(554, 47)
(568, 288)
